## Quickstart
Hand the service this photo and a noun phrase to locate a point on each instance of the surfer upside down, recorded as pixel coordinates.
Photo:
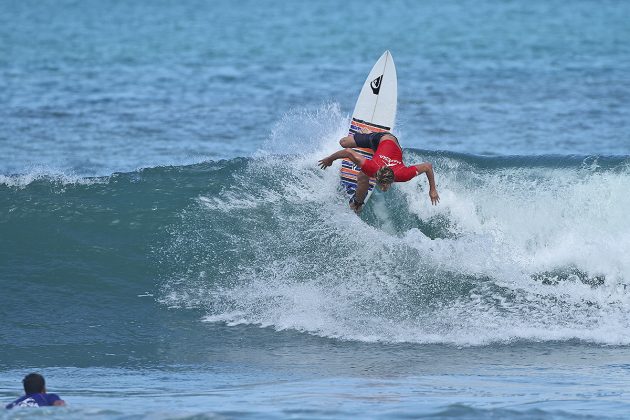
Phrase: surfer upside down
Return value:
(386, 165)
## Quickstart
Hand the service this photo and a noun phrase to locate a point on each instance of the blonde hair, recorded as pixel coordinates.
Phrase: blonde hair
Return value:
(385, 175)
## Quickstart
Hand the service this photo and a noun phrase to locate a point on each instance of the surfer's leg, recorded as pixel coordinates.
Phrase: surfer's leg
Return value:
(348, 142)
(365, 140)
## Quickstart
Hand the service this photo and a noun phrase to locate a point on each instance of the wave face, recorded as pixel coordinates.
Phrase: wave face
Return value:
(519, 248)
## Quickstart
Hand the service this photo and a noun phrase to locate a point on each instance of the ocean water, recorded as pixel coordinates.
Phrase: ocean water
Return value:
(169, 248)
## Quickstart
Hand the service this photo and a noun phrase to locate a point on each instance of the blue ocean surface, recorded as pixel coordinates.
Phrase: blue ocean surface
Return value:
(170, 249)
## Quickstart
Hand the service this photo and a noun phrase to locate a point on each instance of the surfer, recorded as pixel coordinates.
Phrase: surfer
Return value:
(386, 165)
(35, 394)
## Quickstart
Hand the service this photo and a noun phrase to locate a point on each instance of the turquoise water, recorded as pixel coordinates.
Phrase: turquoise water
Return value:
(169, 249)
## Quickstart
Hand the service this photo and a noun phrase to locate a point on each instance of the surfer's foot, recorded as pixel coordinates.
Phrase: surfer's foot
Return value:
(355, 205)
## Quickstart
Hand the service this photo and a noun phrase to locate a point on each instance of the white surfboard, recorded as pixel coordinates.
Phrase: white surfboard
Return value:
(375, 110)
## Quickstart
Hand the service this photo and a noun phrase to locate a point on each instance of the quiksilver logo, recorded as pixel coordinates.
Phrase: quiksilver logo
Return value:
(376, 84)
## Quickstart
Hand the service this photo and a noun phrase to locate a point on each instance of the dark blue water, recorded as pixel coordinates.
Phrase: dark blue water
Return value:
(168, 247)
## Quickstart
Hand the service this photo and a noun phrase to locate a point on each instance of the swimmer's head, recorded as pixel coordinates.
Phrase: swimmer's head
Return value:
(34, 383)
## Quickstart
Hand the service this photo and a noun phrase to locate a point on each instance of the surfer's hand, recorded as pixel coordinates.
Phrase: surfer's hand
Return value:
(356, 207)
(365, 131)
(433, 194)
(325, 163)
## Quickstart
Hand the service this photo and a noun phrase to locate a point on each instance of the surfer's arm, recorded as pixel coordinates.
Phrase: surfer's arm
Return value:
(355, 157)
(427, 168)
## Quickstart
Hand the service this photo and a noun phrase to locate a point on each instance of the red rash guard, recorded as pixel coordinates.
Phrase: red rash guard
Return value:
(389, 154)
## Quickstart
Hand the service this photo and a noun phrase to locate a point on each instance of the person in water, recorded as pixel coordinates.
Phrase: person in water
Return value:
(386, 165)
(35, 393)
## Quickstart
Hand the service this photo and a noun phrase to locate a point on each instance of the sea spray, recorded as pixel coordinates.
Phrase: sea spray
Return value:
(518, 249)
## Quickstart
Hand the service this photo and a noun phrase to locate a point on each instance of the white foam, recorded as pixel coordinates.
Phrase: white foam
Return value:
(324, 271)
(39, 173)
